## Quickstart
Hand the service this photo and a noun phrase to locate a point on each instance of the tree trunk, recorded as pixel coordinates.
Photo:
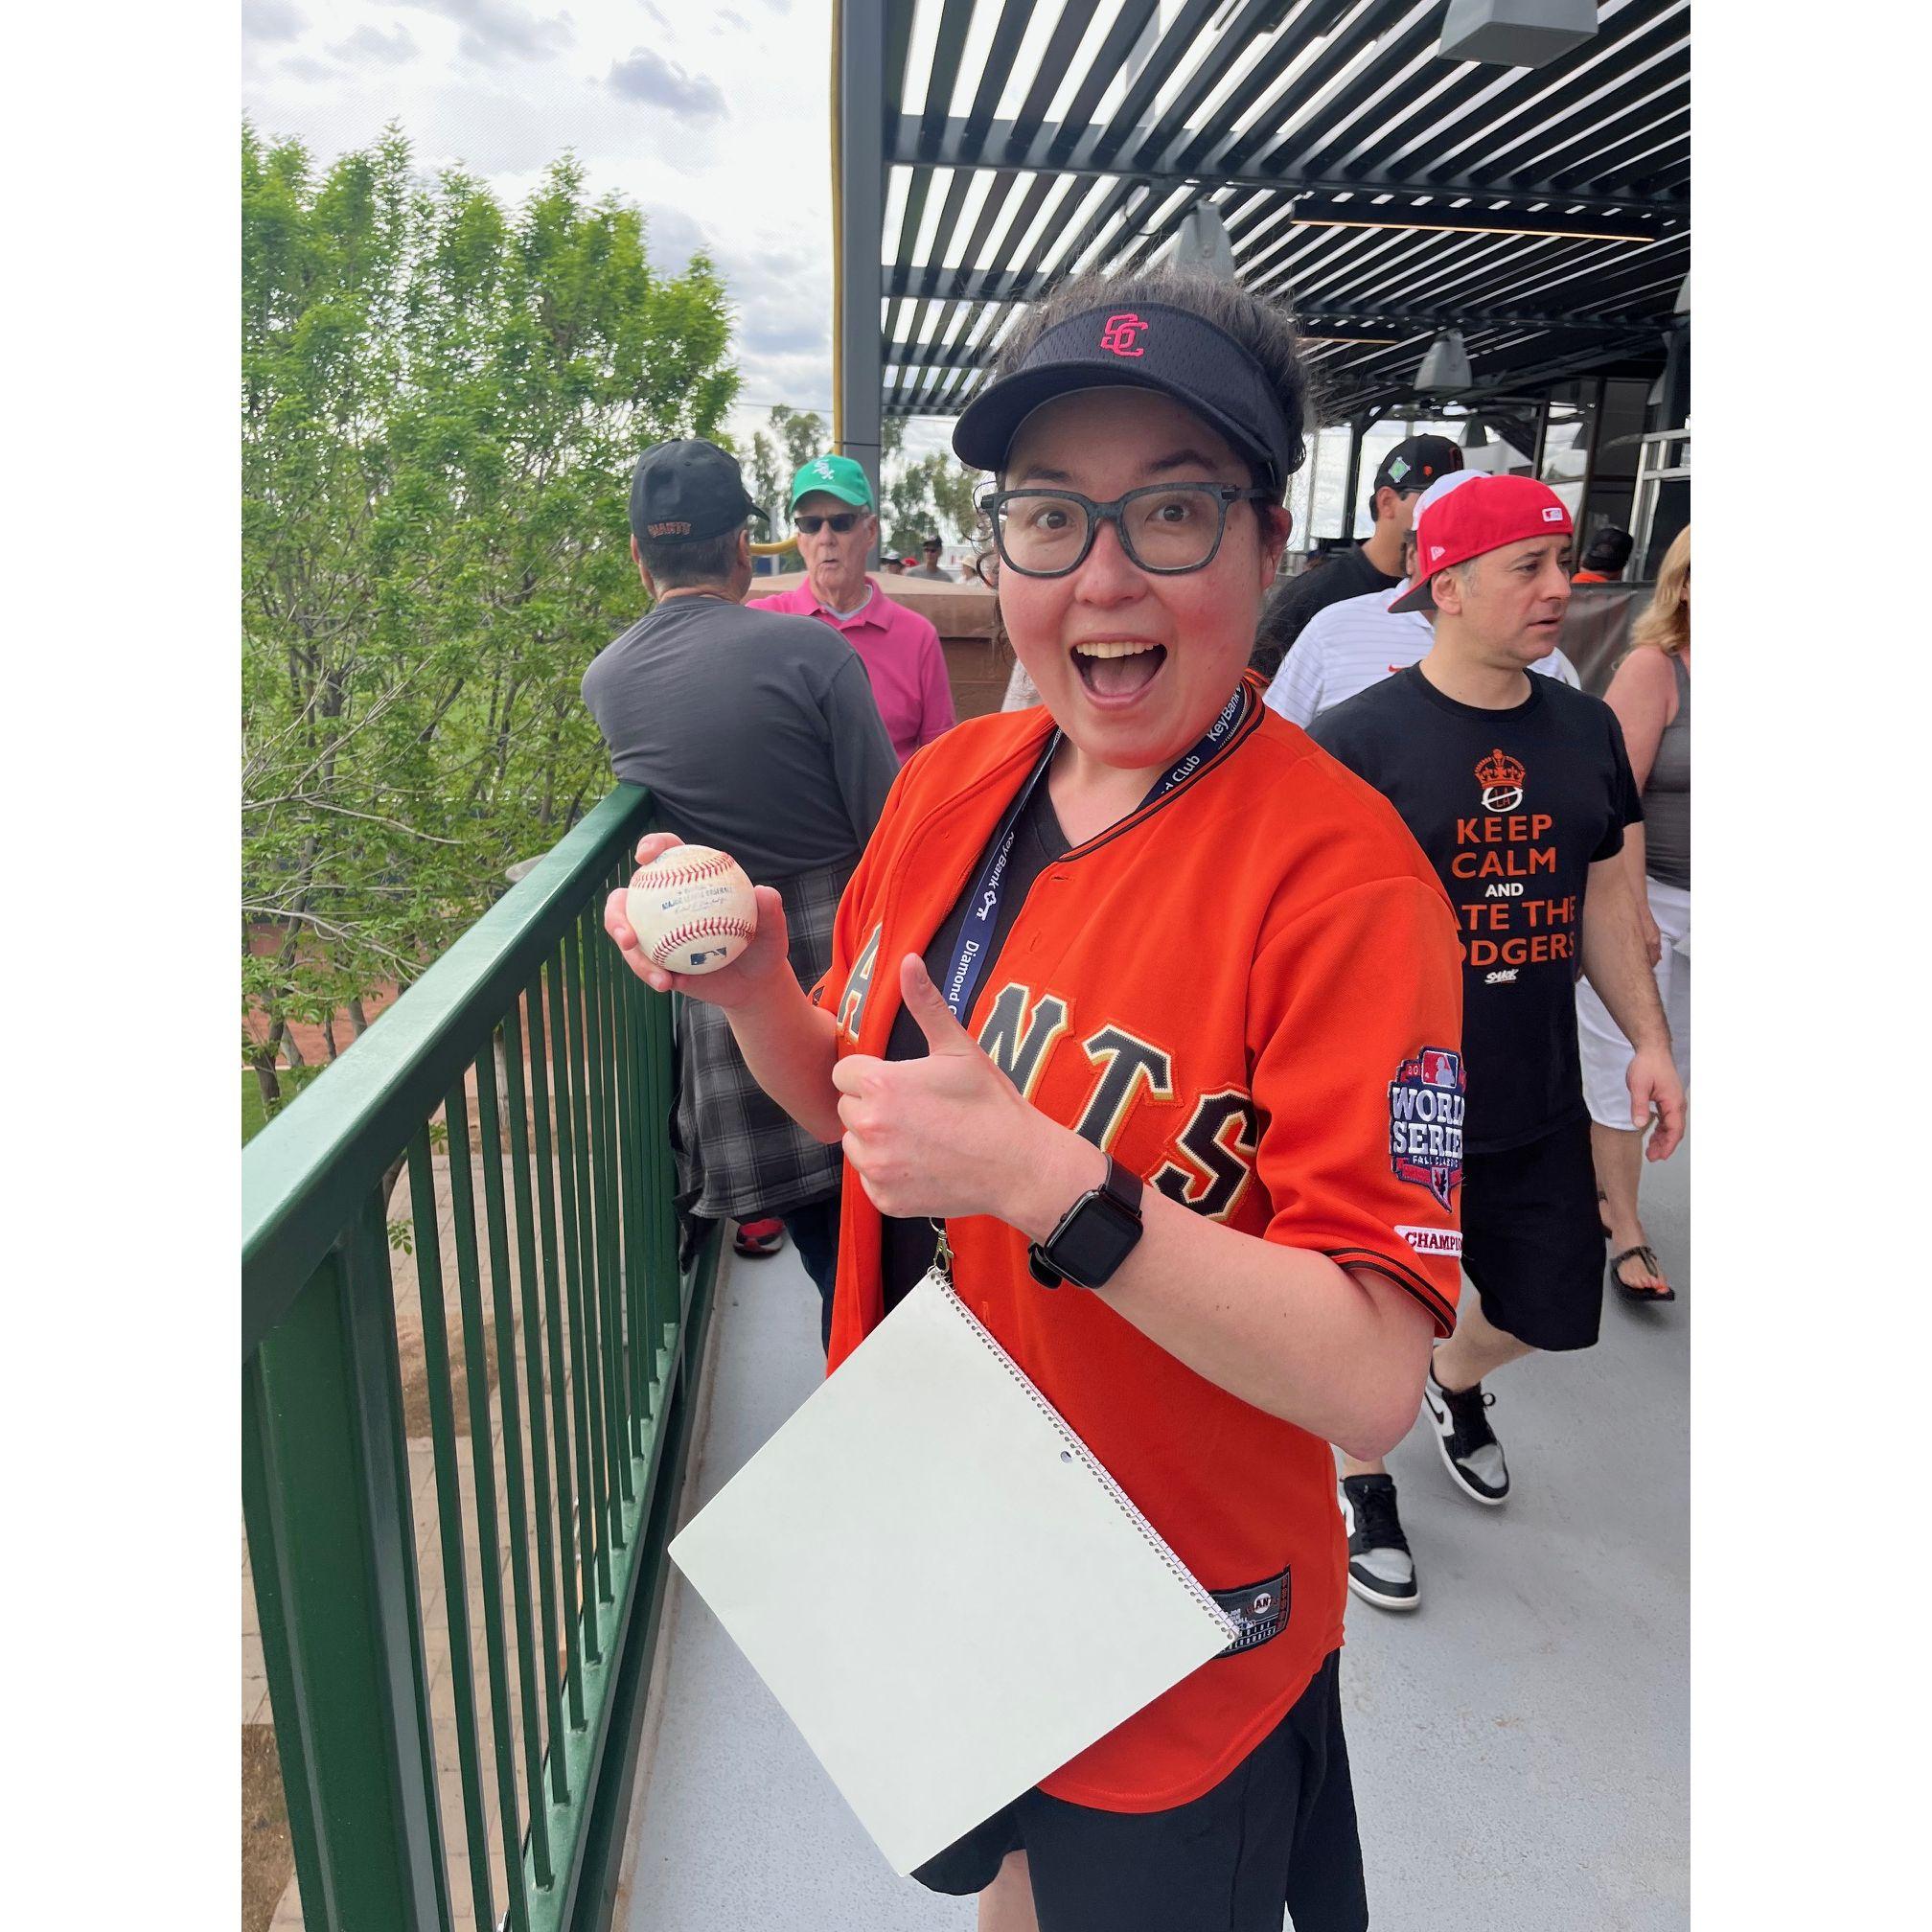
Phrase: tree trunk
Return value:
(357, 1018)
(328, 1036)
(263, 1061)
(290, 1048)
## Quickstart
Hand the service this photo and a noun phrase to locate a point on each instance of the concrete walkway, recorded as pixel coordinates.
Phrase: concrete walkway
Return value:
(1521, 1743)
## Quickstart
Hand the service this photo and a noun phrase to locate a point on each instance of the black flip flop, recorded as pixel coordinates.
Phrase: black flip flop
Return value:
(1649, 1256)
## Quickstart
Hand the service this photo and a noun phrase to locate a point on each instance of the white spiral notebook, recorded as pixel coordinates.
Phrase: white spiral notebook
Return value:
(946, 1592)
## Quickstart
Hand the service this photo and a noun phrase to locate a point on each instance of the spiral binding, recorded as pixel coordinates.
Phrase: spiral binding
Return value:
(1162, 1548)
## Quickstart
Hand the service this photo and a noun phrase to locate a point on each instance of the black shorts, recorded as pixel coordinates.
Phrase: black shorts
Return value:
(1532, 1241)
(1280, 1827)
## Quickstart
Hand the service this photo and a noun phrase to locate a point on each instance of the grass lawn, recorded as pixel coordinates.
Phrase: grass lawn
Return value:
(253, 1117)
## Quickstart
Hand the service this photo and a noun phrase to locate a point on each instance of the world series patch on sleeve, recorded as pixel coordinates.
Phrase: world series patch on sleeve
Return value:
(1426, 1103)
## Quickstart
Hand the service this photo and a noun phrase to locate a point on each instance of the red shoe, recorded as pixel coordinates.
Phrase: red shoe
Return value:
(755, 1239)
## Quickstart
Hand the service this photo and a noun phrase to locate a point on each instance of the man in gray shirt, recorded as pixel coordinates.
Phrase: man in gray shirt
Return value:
(756, 733)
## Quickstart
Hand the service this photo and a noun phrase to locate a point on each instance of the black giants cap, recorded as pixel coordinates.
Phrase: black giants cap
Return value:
(1416, 463)
(685, 492)
(1152, 347)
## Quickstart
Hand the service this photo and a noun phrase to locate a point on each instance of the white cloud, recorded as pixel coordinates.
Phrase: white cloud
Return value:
(266, 21)
(306, 67)
(497, 31)
(367, 44)
(647, 77)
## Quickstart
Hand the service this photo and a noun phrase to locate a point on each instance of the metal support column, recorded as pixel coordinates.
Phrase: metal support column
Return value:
(1590, 463)
(1675, 409)
(860, 134)
(1358, 427)
(1542, 439)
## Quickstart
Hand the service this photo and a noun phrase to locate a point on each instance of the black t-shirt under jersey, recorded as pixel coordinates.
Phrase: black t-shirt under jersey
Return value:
(1512, 807)
(909, 1245)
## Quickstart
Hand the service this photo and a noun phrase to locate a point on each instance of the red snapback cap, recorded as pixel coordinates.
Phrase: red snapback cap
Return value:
(1483, 514)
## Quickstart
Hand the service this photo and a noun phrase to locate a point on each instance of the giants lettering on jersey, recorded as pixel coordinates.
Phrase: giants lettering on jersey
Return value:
(1211, 1160)
(1213, 1155)
(1218, 1145)
(858, 987)
(1426, 1101)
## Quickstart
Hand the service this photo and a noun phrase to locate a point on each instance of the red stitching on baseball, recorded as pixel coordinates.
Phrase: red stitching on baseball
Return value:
(691, 875)
(715, 928)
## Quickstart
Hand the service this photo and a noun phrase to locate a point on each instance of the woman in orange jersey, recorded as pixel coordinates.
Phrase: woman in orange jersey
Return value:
(1157, 1008)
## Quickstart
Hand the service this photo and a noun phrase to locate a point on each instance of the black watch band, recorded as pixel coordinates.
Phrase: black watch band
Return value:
(1095, 1235)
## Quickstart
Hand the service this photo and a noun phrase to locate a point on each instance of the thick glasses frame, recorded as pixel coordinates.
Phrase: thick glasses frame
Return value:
(842, 520)
(994, 502)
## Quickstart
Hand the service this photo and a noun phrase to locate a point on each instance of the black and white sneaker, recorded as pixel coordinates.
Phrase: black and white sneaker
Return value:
(1470, 1450)
(1380, 1568)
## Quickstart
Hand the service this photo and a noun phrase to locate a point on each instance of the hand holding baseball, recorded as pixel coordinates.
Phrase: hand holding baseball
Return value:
(750, 966)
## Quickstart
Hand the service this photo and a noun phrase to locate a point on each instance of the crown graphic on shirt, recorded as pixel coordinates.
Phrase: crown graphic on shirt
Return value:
(1500, 768)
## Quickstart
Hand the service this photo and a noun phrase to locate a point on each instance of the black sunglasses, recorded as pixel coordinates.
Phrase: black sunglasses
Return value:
(840, 522)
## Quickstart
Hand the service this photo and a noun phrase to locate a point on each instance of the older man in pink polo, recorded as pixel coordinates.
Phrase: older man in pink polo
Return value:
(832, 511)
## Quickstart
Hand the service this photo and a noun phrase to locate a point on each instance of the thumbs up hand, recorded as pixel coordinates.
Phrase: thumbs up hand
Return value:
(946, 1136)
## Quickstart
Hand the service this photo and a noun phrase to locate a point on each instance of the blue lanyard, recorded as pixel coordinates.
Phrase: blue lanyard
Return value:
(982, 909)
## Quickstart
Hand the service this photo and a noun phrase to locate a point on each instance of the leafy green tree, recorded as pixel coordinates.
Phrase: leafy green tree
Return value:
(930, 498)
(442, 399)
(797, 435)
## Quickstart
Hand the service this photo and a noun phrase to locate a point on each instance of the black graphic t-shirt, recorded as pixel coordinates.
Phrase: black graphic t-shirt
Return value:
(1512, 808)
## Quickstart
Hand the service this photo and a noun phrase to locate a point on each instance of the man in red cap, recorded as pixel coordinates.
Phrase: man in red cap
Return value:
(1518, 789)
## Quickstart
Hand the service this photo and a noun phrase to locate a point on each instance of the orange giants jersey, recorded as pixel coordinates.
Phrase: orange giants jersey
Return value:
(1250, 993)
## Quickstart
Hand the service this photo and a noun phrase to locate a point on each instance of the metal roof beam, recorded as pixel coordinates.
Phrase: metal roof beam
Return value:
(1338, 401)
(1344, 35)
(1003, 147)
(1334, 325)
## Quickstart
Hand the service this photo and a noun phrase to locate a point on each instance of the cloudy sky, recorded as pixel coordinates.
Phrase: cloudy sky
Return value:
(714, 119)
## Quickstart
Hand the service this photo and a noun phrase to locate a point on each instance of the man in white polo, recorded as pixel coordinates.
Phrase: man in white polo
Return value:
(1347, 647)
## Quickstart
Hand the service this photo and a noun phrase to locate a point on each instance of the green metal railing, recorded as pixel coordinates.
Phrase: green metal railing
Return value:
(428, 1787)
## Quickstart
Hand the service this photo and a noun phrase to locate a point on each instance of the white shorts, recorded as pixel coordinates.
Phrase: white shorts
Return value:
(1606, 1053)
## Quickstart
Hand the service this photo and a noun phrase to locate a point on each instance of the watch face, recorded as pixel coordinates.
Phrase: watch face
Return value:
(1094, 1243)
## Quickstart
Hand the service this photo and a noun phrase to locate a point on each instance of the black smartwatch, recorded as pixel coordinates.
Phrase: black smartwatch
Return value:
(1095, 1235)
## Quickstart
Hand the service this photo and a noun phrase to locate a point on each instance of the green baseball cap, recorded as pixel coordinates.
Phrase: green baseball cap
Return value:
(838, 476)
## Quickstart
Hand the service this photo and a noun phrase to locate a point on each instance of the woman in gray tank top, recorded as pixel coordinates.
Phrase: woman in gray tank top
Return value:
(1651, 695)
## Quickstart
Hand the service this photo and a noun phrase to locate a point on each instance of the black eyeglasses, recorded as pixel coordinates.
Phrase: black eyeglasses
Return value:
(841, 522)
(1167, 529)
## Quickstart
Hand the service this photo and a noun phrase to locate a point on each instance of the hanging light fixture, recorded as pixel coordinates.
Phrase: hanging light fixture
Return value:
(1445, 368)
(1201, 241)
(1515, 33)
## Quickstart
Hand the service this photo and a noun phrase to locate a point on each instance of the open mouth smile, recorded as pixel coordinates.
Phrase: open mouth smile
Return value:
(1117, 670)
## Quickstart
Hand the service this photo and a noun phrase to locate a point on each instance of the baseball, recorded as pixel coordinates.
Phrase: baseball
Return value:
(692, 909)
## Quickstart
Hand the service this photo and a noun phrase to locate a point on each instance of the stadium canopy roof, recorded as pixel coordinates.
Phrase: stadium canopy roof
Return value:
(1386, 192)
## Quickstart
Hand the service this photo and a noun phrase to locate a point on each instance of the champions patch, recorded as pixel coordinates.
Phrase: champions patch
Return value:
(1434, 1240)
(1426, 1101)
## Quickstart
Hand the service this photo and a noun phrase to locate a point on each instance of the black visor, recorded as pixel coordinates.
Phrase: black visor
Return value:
(1151, 347)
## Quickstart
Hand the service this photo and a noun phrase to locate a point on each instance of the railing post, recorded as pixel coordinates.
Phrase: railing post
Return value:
(331, 1540)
